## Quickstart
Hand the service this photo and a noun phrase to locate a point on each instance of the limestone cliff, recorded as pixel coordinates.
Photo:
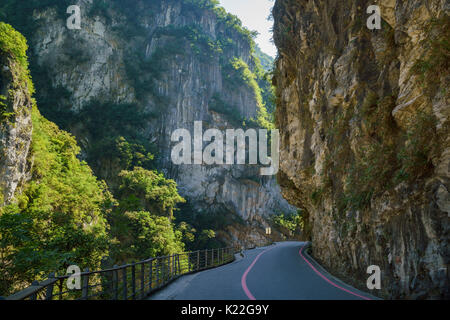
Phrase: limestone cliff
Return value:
(365, 144)
(139, 70)
(15, 126)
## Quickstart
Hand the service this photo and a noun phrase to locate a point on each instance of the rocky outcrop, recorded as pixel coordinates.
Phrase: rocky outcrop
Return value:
(15, 128)
(365, 144)
(171, 60)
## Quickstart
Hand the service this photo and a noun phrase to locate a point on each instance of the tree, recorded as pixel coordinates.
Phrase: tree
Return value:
(141, 235)
(143, 189)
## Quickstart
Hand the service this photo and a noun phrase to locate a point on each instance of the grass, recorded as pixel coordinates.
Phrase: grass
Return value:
(433, 66)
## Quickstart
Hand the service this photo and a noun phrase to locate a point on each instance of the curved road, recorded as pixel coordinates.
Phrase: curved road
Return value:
(278, 272)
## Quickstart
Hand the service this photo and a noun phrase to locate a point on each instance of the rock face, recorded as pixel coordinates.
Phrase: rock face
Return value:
(15, 129)
(154, 55)
(365, 143)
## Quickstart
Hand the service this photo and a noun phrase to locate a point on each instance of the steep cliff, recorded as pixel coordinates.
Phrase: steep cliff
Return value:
(138, 70)
(365, 144)
(15, 117)
(50, 197)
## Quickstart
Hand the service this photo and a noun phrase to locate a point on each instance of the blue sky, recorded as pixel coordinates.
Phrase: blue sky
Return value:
(253, 14)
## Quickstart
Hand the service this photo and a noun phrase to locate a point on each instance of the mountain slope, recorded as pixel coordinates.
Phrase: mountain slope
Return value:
(138, 70)
(53, 211)
(364, 123)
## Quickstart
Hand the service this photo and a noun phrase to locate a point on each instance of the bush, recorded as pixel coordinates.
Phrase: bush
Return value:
(60, 219)
(14, 44)
(149, 190)
(421, 144)
(292, 224)
(142, 235)
(435, 64)
(237, 74)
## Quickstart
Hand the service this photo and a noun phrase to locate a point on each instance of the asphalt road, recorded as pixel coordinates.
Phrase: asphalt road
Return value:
(281, 271)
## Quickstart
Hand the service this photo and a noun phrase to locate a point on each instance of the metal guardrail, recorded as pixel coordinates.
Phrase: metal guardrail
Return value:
(131, 281)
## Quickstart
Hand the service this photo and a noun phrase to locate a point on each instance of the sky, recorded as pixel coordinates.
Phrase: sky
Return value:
(254, 14)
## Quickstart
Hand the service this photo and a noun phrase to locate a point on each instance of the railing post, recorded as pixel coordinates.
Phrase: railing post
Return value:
(179, 266)
(115, 280)
(206, 258)
(142, 280)
(189, 261)
(157, 272)
(85, 289)
(133, 280)
(198, 261)
(34, 283)
(174, 265)
(60, 287)
(150, 284)
(169, 271)
(49, 293)
(125, 289)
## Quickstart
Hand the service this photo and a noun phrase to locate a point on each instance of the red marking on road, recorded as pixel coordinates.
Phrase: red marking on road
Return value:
(244, 276)
(328, 280)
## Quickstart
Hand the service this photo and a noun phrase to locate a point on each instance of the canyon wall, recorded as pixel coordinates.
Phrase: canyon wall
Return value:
(139, 70)
(365, 145)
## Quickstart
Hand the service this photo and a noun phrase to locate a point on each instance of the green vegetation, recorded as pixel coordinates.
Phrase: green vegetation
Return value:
(420, 146)
(435, 64)
(264, 78)
(265, 60)
(218, 105)
(202, 44)
(14, 44)
(238, 74)
(149, 190)
(5, 115)
(115, 138)
(141, 235)
(385, 157)
(60, 218)
(65, 215)
(291, 225)
(230, 21)
(145, 72)
(200, 228)
(21, 17)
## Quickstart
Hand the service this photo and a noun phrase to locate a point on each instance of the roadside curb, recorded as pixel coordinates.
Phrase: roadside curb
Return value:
(306, 253)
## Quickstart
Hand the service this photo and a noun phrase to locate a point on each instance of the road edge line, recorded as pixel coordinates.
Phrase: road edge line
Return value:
(326, 279)
(244, 276)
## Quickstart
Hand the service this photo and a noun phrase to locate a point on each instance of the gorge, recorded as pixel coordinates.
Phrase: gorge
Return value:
(87, 136)
(365, 144)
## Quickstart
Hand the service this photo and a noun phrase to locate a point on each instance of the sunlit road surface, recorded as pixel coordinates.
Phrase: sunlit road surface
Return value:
(279, 272)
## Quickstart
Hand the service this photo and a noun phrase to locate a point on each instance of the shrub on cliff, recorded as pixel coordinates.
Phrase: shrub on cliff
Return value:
(15, 45)
(140, 235)
(60, 219)
(142, 223)
(149, 190)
